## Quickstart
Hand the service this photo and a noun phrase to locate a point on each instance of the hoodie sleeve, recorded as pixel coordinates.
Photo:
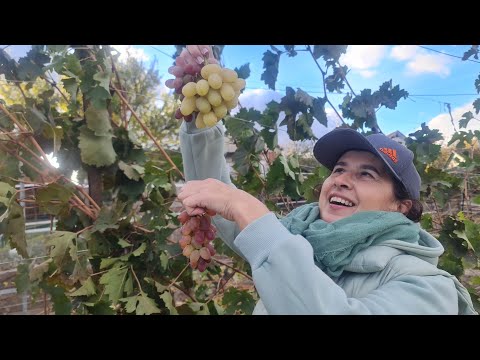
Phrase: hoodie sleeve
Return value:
(203, 158)
(289, 282)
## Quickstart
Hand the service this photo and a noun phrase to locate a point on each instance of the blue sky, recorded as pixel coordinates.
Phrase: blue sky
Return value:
(416, 69)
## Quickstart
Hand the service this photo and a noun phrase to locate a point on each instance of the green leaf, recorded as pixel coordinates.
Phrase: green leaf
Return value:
(63, 245)
(114, 281)
(476, 200)
(286, 168)
(98, 121)
(124, 244)
(243, 71)
(477, 84)
(199, 308)
(146, 306)
(141, 249)
(476, 105)
(133, 172)
(61, 303)
(73, 65)
(164, 260)
(160, 288)
(104, 79)
(98, 96)
(465, 119)
(473, 51)
(270, 137)
(427, 222)
(472, 231)
(276, 178)
(303, 97)
(54, 199)
(22, 280)
(319, 111)
(237, 300)
(36, 119)
(71, 85)
(96, 150)
(87, 289)
(15, 229)
(329, 52)
(108, 217)
(168, 300)
(241, 160)
(290, 50)
(271, 64)
(107, 262)
(37, 272)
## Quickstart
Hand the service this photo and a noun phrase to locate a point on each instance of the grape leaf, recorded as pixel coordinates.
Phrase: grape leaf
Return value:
(329, 52)
(476, 105)
(463, 122)
(96, 150)
(104, 79)
(63, 244)
(243, 71)
(87, 289)
(54, 199)
(98, 121)
(168, 300)
(114, 281)
(319, 111)
(133, 172)
(108, 217)
(15, 228)
(237, 300)
(271, 64)
(22, 280)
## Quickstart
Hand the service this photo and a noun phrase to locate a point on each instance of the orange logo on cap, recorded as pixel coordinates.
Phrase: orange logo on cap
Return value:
(391, 153)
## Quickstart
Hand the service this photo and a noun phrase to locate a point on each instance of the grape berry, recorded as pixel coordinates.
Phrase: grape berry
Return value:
(207, 90)
(197, 234)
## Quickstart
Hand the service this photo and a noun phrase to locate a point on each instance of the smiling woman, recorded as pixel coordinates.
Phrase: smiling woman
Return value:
(358, 250)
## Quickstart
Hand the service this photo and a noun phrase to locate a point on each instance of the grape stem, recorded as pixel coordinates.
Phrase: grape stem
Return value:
(231, 267)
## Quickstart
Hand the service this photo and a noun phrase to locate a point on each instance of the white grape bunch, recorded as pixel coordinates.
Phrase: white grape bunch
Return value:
(197, 235)
(207, 90)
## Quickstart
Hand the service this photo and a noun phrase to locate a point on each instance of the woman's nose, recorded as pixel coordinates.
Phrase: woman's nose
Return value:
(343, 180)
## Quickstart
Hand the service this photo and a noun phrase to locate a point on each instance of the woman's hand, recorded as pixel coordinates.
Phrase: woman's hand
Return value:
(230, 203)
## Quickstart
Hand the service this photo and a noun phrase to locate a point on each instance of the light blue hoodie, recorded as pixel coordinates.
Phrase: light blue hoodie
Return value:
(392, 278)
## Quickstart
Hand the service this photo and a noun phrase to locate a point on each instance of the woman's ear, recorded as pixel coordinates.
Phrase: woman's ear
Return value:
(404, 206)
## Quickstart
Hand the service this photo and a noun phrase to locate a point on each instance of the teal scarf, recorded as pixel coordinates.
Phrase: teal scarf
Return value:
(335, 244)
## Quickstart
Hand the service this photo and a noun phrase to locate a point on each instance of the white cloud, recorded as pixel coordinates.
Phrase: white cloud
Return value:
(429, 63)
(443, 121)
(364, 58)
(367, 73)
(419, 61)
(403, 52)
(258, 98)
(129, 50)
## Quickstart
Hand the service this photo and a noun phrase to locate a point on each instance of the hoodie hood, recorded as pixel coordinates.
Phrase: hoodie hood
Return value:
(375, 258)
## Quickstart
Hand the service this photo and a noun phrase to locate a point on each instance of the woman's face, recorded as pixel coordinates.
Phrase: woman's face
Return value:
(358, 182)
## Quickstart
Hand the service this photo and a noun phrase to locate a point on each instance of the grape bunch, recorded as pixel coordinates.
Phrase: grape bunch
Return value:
(207, 90)
(197, 234)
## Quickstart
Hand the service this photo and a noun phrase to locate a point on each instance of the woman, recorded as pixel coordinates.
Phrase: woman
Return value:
(357, 251)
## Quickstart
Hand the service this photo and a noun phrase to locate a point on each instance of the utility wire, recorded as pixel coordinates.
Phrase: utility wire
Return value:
(444, 53)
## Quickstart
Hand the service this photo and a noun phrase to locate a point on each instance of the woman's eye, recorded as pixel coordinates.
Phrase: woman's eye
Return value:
(365, 173)
(337, 170)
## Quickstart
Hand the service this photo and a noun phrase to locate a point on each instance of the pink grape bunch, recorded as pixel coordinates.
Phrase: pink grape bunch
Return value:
(197, 235)
(207, 90)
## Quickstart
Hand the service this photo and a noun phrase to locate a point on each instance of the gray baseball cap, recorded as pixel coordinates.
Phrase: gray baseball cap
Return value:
(397, 158)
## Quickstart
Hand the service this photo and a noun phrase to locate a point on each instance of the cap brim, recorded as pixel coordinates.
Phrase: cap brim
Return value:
(330, 147)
